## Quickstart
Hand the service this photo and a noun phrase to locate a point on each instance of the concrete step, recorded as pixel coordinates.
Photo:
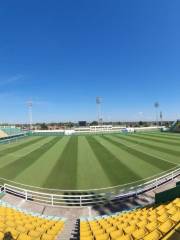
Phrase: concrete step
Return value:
(68, 230)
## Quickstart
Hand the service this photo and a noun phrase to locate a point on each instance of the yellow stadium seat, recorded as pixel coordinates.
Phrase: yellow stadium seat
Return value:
(29, 226)
(2, 226)
(122, 225)
(86, 234)
(52, 231)
(10, 224)
(40, 229)
(142, 223)
(139, 233)
(172, 210)
(176, 201)
(34, 234)
(46, 236)
(24, 237)
(124, 237)
(18, 222)
(162, 211)
(130, 229)
(98, 232)
(21, 229)
(163, 218)
(87, 238)
(110, 229)
(116, 234)
(1, 235)
(102, 237)
(166, 227)
(155, 235)
(176, 217)
(151, 226)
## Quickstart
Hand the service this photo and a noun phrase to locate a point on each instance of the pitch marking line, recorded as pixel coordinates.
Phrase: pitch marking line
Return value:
(155, 156)
(152, 155)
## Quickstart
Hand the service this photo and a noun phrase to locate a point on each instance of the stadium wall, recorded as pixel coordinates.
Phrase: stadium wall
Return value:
(46, 133)
(105, 129)
(167, 195)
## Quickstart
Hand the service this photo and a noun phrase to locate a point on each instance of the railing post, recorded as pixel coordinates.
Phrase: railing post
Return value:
(156, 183)
(80, 201)
(4, 188)
(26, 195)
(52, 200)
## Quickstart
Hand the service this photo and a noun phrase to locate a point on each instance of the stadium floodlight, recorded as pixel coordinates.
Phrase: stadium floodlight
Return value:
(30, 105)
(98, 104)
(156, 105)
(161, 117)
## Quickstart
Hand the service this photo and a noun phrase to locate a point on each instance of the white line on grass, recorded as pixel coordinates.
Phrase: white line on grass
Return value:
(152, 155)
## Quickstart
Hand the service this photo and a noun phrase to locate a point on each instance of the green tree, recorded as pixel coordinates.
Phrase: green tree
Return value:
(94, 123)
(43, 126)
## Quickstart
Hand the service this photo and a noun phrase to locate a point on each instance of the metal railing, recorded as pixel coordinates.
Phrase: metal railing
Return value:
(80, 198)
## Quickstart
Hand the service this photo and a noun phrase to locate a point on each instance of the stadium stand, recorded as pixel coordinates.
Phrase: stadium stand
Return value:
(148, 223)
(25, 225)
(10, 131)
(3, 134)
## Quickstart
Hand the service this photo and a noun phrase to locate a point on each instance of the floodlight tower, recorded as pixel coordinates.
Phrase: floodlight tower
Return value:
(156, 105)
(30, 105)
(98, 104)
(161, 117)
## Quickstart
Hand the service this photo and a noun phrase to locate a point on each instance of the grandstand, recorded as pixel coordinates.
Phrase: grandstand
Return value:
(148, 223)
(10, 133)
(10, 130)
(24, 225)
(3, 134)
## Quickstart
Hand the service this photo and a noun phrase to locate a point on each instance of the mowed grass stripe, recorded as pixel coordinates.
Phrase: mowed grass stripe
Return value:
(152, 150)
(159, 140)
(158, 162)
(134, 163)
(13, 169)
(172, 134)
(18, 141)
(89, 168)
(15, 148)
(163, 136)
(9, 158)
(133, 138)
(116, 171)
(64, 173)
(44, 165)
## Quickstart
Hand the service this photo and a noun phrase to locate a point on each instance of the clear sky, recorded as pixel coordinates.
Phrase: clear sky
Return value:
(62, 54)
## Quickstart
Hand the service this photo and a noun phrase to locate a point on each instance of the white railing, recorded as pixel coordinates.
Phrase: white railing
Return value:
(73, 198)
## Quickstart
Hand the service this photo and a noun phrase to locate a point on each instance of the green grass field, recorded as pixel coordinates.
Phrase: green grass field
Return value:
(88, 162)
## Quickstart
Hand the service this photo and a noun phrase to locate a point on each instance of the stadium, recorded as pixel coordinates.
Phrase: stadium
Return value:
(89, 120)
(113, 155)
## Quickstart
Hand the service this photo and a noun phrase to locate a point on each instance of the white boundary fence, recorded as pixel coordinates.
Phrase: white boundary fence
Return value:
(78, 198)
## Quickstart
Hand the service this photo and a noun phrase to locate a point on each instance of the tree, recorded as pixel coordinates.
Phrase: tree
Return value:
(94, 123)
(43, 126)
(140, 123)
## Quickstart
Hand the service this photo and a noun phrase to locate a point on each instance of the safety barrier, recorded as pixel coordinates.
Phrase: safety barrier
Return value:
(80, 198)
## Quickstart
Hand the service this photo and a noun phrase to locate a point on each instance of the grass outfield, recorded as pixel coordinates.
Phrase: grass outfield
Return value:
(87, 162)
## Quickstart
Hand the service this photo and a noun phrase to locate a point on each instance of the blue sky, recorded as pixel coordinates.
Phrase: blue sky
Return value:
(62, 54)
